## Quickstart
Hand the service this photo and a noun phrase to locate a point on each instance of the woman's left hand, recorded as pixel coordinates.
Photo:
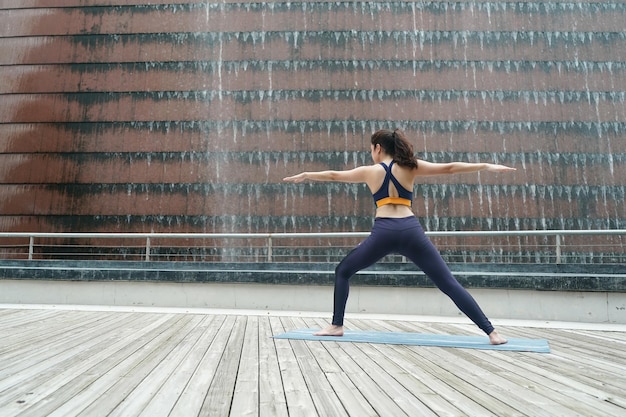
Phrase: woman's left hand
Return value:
(296, 178)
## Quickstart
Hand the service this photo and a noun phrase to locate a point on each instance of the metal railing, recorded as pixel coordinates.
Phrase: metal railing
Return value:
(462, 246)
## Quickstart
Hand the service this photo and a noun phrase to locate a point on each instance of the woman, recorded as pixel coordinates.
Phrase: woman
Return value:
(396, 229)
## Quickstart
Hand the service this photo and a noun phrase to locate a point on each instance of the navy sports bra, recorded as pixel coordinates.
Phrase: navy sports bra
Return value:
(381, 197)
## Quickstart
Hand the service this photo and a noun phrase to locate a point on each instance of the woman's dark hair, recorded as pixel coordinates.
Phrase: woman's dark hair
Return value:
(395, 143)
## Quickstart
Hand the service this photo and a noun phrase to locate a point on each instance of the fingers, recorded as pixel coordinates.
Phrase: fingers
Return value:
(502, 168)
(294, 178)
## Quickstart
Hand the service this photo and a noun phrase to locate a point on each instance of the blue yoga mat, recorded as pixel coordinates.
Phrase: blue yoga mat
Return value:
(420, 339)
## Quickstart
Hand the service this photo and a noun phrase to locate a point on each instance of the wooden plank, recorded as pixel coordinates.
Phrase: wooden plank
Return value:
(29, 386)
(191, 399)
(138, 367)
(169, 393)
(464, 396)
(46, 327)
(77, 386)
(38, 381)
(572, 342)
(611, 336)
(136, 364)
(606, 352)
(17, 321)
(218, 400)
(40, 331)
(526, 402)
(412, 394)
(153, 385)
(592, 368)
(594, 378)
(380, 392)
(246, 394)
(324, 397)
(48, 357)
(272, 401)
(602, 379)
(559, 384)
(353, 401)
(299, 401)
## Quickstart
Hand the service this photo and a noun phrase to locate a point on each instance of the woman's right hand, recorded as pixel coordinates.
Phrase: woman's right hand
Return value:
(499, 168)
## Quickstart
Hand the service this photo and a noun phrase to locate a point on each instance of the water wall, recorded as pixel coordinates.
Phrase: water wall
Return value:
(184, 116)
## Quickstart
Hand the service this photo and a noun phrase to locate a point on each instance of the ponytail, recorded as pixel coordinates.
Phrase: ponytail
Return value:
(395, 144)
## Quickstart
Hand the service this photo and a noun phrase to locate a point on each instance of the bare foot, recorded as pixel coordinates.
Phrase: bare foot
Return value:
(331, 330)
(496, 339)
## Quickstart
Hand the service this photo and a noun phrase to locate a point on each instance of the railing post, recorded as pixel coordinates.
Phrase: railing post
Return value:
(147, 249)
(31, 247)
(558, 249)
(269, 249)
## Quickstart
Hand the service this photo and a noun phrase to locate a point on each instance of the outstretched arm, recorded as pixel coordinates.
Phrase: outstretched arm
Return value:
(425, 168)
(353, 175)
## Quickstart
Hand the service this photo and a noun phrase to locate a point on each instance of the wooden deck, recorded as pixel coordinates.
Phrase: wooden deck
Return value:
(59, 362)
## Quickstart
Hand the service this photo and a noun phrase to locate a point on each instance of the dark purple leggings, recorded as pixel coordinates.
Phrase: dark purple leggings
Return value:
(406, 237)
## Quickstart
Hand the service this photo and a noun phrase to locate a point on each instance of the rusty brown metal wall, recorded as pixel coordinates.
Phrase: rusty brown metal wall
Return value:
(184, 116)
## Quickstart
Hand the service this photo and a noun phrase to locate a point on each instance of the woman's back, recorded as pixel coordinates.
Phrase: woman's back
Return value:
(391, 201)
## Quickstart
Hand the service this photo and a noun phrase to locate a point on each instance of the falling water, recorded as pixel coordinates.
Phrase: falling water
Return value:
(192, 129)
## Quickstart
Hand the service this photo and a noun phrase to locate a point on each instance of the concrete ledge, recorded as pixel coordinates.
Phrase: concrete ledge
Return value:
(586, 277)
(576, 293)
(571, 306)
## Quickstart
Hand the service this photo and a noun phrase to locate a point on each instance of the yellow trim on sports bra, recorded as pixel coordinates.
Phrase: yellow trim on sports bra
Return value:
(393, 200)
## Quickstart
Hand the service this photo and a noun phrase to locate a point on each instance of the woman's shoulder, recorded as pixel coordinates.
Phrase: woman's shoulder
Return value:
(404, 169)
